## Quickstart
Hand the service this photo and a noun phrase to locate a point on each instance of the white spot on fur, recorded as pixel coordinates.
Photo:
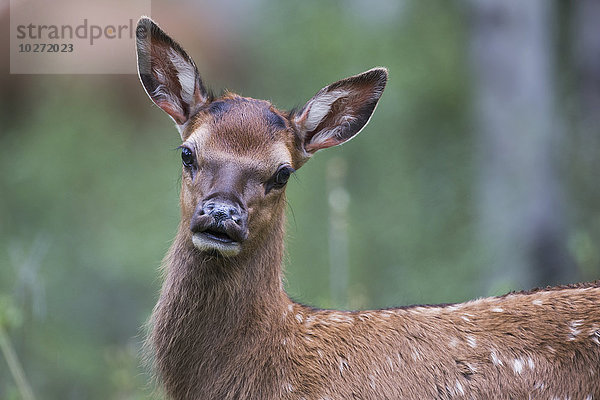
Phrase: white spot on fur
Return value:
(290, 307)
(464, 317)
(337, 317)
(497, 309)
(284, 342)
(372, 381)
(428, 310)
(320, 353)
(540, 385)
(589, 397)
(517, 365)
(472, 341)
(343, 365)
(537, 302)
(450, 390)
(390, 363)
(573, 328)
(459, 388)
(299, 317)
(495, 360)
(416, 356)
(288, 387)
(453, 342)
(530, 363)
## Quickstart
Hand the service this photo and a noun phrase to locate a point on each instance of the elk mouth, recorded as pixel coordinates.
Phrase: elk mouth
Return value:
(217, 238)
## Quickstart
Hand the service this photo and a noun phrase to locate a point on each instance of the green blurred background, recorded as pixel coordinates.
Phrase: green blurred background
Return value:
(478, 173)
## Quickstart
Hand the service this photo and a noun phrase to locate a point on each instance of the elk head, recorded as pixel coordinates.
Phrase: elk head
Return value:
(238, 153)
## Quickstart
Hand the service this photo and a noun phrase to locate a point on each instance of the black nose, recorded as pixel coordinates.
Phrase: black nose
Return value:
(222, 211)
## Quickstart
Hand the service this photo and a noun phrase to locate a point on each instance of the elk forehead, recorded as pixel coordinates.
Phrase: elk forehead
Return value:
(247, 129)
(207, 144)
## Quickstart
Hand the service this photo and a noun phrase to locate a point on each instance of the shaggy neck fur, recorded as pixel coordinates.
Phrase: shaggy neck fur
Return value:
(215, 314)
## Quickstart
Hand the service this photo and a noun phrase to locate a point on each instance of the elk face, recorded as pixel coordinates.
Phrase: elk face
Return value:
(237, 160)
(238, 153)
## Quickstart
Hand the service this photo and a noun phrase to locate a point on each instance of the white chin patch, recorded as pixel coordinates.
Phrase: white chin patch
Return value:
(205, 243)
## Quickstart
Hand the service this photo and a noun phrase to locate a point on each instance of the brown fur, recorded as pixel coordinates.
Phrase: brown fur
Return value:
(223, 327)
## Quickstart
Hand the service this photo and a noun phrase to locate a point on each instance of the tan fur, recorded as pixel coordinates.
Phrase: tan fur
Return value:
(223, 327)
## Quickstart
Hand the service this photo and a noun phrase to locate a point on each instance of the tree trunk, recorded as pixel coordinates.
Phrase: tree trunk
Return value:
(585, 140)
(520, 198)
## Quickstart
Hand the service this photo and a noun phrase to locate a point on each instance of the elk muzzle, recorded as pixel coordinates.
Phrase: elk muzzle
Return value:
(219, 225)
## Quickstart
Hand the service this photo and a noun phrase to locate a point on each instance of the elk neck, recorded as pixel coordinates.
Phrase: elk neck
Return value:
(211, 306)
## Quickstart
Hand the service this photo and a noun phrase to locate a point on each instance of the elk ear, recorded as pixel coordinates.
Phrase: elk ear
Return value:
(339, 111)
(168, 74)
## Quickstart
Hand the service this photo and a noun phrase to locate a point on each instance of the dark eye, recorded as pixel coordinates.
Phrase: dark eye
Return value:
(187, 157)
(282, 175)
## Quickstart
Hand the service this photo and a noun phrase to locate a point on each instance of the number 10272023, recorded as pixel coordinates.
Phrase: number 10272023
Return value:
(46, 47)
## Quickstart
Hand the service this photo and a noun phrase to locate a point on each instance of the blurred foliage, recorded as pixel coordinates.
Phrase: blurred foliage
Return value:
(10, 317)
(89, 183)
(408, 175)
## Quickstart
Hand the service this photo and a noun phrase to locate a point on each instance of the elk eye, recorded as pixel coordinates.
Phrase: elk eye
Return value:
(187, 157)
(282, 175)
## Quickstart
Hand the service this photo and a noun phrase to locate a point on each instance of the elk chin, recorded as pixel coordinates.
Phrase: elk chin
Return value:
(208, 243)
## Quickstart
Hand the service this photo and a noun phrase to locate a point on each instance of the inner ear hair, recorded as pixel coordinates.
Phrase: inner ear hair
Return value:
(339, 111)
(168, 74)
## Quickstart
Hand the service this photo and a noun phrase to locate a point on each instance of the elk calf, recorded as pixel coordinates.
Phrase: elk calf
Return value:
(223, 327)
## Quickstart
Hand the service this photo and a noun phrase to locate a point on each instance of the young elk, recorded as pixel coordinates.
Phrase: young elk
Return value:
(223, 327)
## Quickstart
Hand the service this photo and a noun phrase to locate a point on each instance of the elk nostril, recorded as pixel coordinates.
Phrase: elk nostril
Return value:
(220, 215)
